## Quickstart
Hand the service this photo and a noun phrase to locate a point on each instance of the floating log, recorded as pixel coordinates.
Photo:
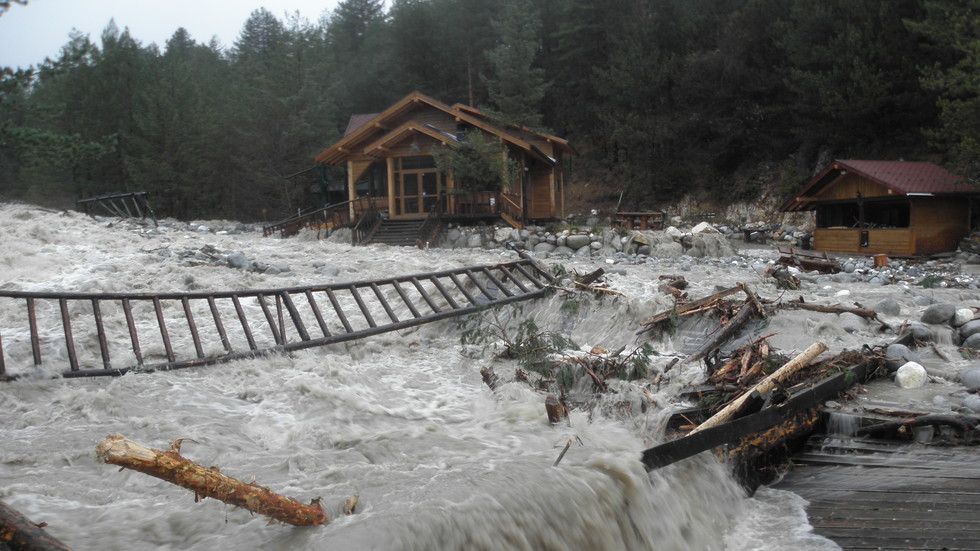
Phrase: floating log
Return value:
(207, 482)
(18, 533)
(765, 386)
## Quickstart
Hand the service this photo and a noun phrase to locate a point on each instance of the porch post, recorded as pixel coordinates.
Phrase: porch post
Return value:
(391, 187)
(351, 189)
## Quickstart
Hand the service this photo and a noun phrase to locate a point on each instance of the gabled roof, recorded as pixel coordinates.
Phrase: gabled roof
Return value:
(357, 121)
(560, 142)
(360, 128)
(901, 177)
(408, 129)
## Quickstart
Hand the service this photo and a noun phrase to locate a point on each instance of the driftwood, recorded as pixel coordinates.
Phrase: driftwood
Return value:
(764, 386)
(207, 482)
(723, 334)
(688, 307)
(961, 423)
(18, 533)
(836, 309)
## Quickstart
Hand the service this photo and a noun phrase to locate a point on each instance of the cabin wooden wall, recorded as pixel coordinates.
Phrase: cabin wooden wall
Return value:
(940, 223)
(541, 200)
(899, 241)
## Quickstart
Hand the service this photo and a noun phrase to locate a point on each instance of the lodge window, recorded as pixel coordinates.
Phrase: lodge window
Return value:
(374, 182)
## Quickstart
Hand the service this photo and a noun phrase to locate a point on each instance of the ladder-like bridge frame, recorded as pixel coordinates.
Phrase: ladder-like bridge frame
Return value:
(280, 319)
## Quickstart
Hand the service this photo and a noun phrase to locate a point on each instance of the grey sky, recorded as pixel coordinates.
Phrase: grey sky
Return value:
(30, 33)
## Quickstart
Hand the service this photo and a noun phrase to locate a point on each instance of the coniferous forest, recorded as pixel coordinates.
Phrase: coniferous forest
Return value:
(662, 98)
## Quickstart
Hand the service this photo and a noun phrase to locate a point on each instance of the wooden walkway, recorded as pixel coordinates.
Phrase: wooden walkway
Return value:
(874, 494)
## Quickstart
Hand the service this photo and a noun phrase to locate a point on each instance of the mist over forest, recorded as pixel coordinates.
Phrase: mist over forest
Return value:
(715, 98)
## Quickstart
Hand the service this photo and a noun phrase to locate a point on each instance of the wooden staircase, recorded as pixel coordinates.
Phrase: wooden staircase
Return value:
(400, 233)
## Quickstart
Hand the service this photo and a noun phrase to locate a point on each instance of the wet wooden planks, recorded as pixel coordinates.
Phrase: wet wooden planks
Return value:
(891, 496)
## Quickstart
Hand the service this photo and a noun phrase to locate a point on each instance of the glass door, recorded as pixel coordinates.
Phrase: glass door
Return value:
(417, 186)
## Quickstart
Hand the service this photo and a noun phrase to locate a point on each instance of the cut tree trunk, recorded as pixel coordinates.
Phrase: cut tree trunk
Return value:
(18, 533)
(764, 386)
(207, 482)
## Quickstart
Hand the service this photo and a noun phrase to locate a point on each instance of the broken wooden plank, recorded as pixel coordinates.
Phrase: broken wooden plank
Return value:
(766, 385)
(681, 448)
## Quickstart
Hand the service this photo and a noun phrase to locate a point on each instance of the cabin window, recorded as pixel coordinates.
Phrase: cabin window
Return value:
(886, 214)
(838, 215)
(415, 163)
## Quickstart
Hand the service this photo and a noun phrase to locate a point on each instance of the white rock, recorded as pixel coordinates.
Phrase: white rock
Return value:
(962, 316)
(911, 375)
(704, 227)
(674, 232)
(843, 293)
(502, 235)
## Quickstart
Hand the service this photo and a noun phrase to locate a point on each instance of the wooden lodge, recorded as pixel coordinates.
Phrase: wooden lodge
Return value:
(389, 163)
(887, 207)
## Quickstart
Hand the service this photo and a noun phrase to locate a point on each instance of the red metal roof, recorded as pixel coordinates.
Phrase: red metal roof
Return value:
(902, 177)
(911, 177)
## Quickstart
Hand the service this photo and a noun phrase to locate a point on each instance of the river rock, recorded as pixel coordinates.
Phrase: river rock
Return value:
(970, 328)
(911, 375)
(577, 241)
(938, 313)
(887, 306)
(921, 332)
(898, 355)
(852, 323)
(704, 227)
(474, 241)
(973, 341)
(238, 260)
(970, 377)
(962, 316)
(972, 402)
(563, 250)
(543, 248)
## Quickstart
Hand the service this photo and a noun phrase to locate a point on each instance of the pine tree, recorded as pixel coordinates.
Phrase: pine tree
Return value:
(516, 86)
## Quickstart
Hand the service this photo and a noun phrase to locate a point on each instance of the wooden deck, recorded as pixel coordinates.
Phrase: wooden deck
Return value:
(873, 494)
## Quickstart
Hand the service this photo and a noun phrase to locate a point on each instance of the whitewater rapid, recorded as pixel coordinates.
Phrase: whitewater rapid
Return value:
(402, 420)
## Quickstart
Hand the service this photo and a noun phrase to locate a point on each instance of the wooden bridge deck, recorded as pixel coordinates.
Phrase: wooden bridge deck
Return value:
(870, 494)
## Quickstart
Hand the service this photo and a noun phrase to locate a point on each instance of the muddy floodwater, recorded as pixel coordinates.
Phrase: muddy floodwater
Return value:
(402, 420)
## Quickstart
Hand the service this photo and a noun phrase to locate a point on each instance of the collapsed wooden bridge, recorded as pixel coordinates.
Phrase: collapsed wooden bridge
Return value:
(123, 332)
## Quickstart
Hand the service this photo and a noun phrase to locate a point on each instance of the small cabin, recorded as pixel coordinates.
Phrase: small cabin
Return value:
(389, 164)
(887, 207)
